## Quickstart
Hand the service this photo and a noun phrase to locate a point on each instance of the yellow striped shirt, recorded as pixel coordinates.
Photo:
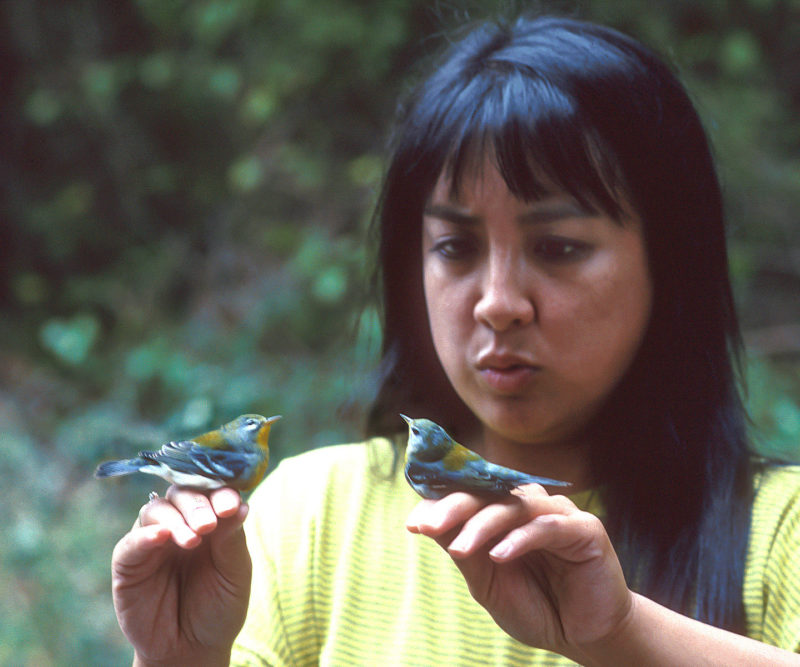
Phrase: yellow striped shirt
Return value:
(337, 579)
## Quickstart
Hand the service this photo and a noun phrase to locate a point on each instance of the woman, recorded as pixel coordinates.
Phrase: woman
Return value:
(556, 295)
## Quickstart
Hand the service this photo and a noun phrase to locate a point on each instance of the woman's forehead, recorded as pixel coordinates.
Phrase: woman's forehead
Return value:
(481, 177)
(481, 174)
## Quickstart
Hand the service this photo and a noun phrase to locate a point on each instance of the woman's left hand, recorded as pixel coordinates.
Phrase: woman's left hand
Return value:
(543, 569)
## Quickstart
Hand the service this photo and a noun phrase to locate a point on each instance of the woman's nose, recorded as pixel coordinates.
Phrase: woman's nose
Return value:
(505, 300)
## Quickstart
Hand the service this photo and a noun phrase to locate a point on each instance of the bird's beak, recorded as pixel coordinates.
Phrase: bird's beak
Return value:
(408, 420)
(273, 419)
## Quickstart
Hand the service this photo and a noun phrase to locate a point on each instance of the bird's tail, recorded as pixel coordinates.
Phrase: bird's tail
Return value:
(117, 468)
(544, 481)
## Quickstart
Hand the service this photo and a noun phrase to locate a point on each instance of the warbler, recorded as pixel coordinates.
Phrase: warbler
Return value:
(234, 455)
(437, 465)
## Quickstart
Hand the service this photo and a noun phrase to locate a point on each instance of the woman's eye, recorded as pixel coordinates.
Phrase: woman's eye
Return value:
(454, 248)
(555, 249)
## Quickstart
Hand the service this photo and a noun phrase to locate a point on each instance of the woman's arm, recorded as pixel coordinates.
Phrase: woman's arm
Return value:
(548, 575)
(654, 635)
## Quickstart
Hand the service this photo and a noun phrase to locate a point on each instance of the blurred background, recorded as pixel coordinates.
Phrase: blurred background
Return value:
(186, 191)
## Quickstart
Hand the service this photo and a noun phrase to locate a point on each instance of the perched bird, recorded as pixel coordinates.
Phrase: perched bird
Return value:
(437, 465)
(235, 455)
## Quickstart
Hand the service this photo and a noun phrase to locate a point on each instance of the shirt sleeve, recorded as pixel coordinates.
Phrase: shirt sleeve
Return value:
(772, 577)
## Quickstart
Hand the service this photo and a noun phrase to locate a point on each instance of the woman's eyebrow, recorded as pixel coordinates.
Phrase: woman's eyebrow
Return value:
(545, 212)
(450, 214)
(539, 213)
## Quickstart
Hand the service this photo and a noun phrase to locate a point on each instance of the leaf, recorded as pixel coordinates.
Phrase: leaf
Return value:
(43, 107)
(740, 53)
(70, 340)
(246, 174)
(330, 285)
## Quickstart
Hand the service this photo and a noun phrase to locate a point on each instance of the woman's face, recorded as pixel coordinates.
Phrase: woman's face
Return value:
(536, 309)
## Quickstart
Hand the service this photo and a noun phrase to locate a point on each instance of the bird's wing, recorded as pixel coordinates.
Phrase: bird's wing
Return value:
(427, 481)
(444, 481)
(424, 473)
(480, 476)
(503, 480)
(227, 464)
(475, 476)
(188, 457)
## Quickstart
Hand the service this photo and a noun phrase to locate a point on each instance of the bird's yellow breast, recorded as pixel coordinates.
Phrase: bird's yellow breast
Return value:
(263, 436)
(457, 457)
(256, 477)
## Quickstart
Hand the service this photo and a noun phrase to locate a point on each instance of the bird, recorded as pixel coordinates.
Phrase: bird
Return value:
(234, 455)
(436, 465)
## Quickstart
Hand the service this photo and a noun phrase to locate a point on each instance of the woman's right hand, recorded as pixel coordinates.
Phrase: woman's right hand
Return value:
(181, 578)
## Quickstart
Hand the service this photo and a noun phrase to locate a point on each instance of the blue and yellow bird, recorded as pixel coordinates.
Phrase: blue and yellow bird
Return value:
(235, 455)
(437, 465)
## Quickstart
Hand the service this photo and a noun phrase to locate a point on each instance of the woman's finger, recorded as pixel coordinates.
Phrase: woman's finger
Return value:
(575, 536)
(485, 525)
(481, 520)
(437, 517)
(162, 513)
(195, 508)
(498, 518)
(225, 501)
(133, 554)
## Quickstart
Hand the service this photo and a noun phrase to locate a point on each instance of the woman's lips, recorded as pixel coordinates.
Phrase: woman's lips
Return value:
(506, 373)
(508, 379)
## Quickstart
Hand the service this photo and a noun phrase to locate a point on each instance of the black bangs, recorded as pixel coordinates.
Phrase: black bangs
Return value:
(535, 133)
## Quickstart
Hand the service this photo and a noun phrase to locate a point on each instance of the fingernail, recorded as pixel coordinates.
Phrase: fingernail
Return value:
(224, 503)
(414, 521)
(436, 518)
(501, 549)
(187, 537)
(461, 544)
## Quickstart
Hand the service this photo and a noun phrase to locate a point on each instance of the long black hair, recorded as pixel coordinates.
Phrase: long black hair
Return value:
(564, 102)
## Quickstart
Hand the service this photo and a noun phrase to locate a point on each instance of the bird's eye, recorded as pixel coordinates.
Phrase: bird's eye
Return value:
(415, 430)
(250, 423)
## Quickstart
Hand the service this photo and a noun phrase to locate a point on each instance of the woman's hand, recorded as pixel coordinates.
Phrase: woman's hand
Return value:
(543, 569)
(181, 578)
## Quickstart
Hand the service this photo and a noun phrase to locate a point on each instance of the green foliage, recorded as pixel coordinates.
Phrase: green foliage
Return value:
(187, 187)
(775, 410)
(70, 340)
